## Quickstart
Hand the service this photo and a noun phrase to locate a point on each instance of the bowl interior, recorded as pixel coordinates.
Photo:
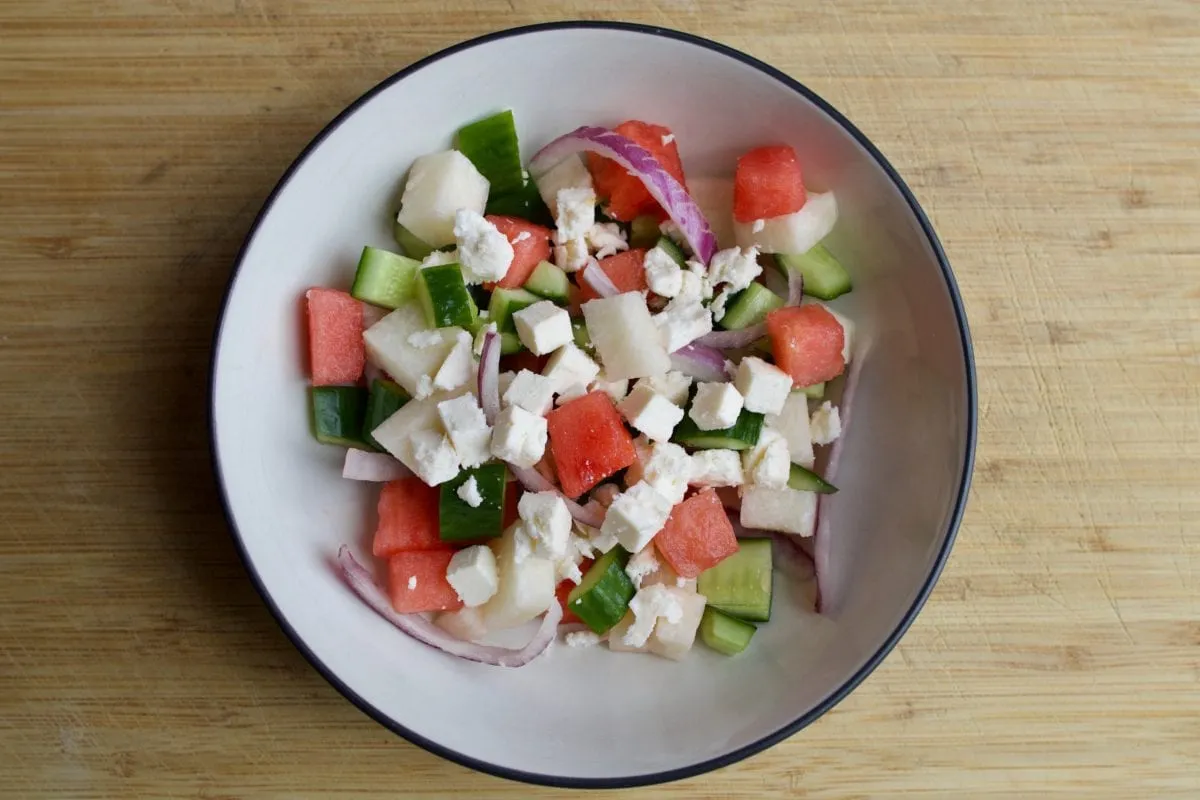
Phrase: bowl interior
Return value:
(591, 715)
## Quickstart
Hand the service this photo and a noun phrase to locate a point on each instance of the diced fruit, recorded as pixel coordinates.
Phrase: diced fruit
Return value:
(616, 637)
(741, 584)
(807, 343)
(723, 633)
(410, 243)
(417, 582)
(417, 417)
(491, 144)
(674, 640)
(805, 480)
(625, 270)
(408, 518)
(785, 510)
(750, 307)
(602, 598)
(570, 173)
(550, 282)
(824, 276)
(627, 195)
(461, 522)
(438, 185)
(524, 203)
(384, 279)
(386, 398)
(526, 586)
(530, 244)
(338, 413)
(742, 435)
(668, 246)
(588, 442)
(625, 336)
(444, 297)
(505, 303)
(388, 344)
(466, 624)
(697, 536)
(768, 183)
(792, 233)
(335, 337)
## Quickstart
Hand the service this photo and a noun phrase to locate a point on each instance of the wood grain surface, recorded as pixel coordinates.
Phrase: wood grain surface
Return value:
(1056, 146)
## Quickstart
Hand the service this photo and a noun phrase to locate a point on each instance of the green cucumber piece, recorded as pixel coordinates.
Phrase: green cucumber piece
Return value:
(723, 633)
(412, 246)
(384, 399)
(814, 392)
(741, 436)
(525, 203)
(668, 246)
(458, 521)
(510, 343)
(548, 281)
(741, 584)
(805, 480)
(603, 596)
(824, 276)
(384, 279)
(750, 307)
(444, 296)
(338, 413)
(579, 333)
(491, 144)
(505, 303)
(644, 232)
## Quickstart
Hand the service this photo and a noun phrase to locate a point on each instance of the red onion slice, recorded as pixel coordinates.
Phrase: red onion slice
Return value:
(598, 279)
(795, 287)
(700, 362)
(725, 340)
(489, 377)
(661, 185)
(362, 465)
(424, 631)
(533, 481)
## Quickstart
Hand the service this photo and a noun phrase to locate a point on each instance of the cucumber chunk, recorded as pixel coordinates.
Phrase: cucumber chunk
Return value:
(505, 303)
(338, 413)
(668, 246)
(814, 392)
(384, 279)
(750, 307)
(741, 584)
(643, 232)
(409, 242)
(805, 480)
(550, 282)
(525, 203)
(603, 597)
(385, 398)
(579, 333)
(491, 144)
(723, 633)
(444, 296)
(741, 436)
(824, 276)
(458, 520)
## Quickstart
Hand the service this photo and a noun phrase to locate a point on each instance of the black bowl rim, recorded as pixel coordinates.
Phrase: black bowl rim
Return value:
(691, 770)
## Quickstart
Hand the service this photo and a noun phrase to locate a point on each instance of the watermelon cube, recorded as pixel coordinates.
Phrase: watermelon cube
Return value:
(335, 337)
(626, 270)
(417, 582)
(627, 195)
(698, 535)
(589, 442)
(408, 518)
(768, 183)
(530, 244)
(807, 342)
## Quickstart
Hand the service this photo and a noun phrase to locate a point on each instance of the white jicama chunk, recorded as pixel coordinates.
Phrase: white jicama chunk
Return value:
(791, 233)
(786, 510)
(526, 586)
(438, 185)
(625, 336)
(390, 344)
(674, 639)
(616, 637)
(793, 422)
(466, 624)
(715, 198)
(570, 173)
(395, 434)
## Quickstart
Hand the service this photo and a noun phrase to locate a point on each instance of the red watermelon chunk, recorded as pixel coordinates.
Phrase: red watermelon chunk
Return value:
(698, 535)
(417, 582)
(408, 518)
(588, 441)
(531, 246)
(563, 589)
(627, 195)
(767, 184)
(807, 343)
(335, 337)
(626, 270)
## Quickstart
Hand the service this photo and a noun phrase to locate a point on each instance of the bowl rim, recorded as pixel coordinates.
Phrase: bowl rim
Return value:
(835, 697)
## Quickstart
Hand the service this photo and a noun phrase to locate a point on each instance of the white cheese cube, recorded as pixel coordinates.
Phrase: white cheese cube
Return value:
(543, 327)
(736, 267)
(576, 212)
(651, 413)
(683, 322)
(467, 428)
(606, 239)
(526, 586)
(786, 510)
(693, 286)
(768, 463)
(765, 387)
(519, 437)
(483, 251)
(673, 638)
(625, 336)
(438, 185)
(636, 516)
(569, 367)
(547, 523)
(668, 470)
(459, 366)
(715, 406)
(530, 391)
(719, 303)
(570, 173)
(435, 460)
(672, 385)
(571, 255)
(472, 574)
(826, 424)
(793, 422)
(663, 275)
(468, 492)
(716, 468)
(648, 606)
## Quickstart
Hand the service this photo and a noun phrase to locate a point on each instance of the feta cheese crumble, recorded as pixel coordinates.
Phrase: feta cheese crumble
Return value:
(530, 391)
(764, 386)
(768, 463)
(668, 469)
(458, 367)
(648, 606)
(582, 639)
(468, 492)
(576, 212)
(569, 367)
(825, 424)
(519, 437)
(663, 276)
(650, 413)
(473, 575)
(547, 523)
(682, 322)
(642, 566)
(483, 251)
(439, 257)
(434, 456)
(716, 406)
(736, 267)
(543, 327)
(606, 238)
(673, 385)
(467, 428)
(716, 467)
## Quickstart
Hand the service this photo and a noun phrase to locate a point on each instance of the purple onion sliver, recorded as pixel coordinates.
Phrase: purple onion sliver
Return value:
(489, 377)
(725, 340)
(533, 481)
(700, 362)
(598, 279)
(795, 287)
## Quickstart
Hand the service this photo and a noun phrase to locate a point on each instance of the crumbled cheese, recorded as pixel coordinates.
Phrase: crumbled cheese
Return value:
(667, 139)
(648, 606)
(576, 212)
(567, 567)
(716, 467)
(673, 385)
(715, 406)
(681, 582)
(582, 639)
(458, 367)
(607, 239)
(735, 266)
(424, 339)
(603, 542)
(692, 286)
(719, 302)
(522, 236)
(424, 387)
(547, 523)
(519, 437)
(571, 255)
(530, 391)
(650, 412)
(439, 257)
(758, 225)
(764, 386)
(667, 470)
(467, 428)
(543, 327)
(569, 173)
(826, 424)
(768, 463)
(682, 322)
(468, 492)
(473, 575)
(642, 566)
(434, 456)
(570, 366)
(663, 276)
(636, 516)
(412, 582)
(706, 282)
(483, 251)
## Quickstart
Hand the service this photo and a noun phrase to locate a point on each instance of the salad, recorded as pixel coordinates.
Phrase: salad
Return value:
(581, 407)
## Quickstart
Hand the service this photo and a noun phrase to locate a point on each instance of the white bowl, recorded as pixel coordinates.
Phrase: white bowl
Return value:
(594, 718)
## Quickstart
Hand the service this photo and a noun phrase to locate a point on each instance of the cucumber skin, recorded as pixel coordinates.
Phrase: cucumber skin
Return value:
(720, 596)
(668, 246)
(491, 145)
(548, 281)
(824, 276)
(725, 633)
(375, 267)
(412, 246)
(506, 302)
(384, 398)
(338, 413)
(455, 306)
(750, 307)
(524, 203)
(805, 480)
(601, 601)
(742, 436)
(459, 522)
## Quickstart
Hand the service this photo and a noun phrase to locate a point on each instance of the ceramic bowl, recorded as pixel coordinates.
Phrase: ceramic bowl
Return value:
(590, 717)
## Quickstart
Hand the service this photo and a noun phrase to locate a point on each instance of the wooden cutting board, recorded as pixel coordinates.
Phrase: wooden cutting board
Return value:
(1055, 146)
